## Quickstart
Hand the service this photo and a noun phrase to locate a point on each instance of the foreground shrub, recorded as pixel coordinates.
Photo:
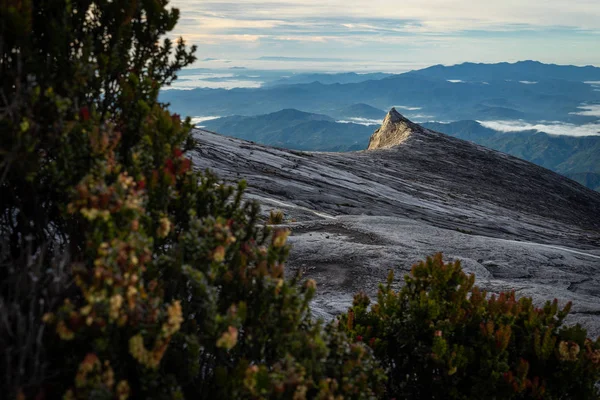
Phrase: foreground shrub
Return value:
(441, 337)
(124, 273)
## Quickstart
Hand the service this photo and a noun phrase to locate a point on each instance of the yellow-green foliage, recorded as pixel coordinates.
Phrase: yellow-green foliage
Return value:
(275, 217)
(441, 337)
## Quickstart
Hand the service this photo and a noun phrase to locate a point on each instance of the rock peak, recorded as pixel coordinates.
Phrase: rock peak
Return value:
(394, 131)
(394, 115)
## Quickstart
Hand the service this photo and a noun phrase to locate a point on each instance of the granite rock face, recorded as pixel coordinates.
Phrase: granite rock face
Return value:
(394, 131)
(357, 215)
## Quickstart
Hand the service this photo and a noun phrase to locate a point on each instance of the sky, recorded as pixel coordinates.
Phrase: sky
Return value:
(388, 35)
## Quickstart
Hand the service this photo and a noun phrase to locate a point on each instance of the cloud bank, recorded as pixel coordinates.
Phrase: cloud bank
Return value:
(592, 110)
(552, 128)
(360, 121)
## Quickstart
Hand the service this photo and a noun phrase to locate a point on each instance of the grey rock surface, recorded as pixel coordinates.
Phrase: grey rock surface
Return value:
(513, 224)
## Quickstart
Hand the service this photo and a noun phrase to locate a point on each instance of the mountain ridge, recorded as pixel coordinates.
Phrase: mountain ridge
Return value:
(293, 129)
(426, 94)
(524, 70)
(571, 156)
(359, 110)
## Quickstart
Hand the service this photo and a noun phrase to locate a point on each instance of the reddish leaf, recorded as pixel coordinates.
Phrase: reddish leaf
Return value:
(185, 166)
(84, 113)
(169, 165)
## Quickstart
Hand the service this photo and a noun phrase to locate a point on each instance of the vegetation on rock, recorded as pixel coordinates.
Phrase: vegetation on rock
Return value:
(276, 217)
(441, 337)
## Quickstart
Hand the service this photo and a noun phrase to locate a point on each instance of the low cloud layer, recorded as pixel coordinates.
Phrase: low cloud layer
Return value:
(407, 108)
(360, 121)
(212, 81)
(592, 110)
(197, 121)
(552, 128)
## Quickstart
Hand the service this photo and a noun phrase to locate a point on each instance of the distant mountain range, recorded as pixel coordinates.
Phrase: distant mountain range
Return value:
(294, 129)
(360, 110)
(527, 71)
(527, 90)
(575, 157)
(328, 79)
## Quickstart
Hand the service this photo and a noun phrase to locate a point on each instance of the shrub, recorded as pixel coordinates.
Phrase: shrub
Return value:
(125, 273)
(275, 217)
(441, 337)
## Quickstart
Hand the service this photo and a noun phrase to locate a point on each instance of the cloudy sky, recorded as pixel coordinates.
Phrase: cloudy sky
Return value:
(390, 34)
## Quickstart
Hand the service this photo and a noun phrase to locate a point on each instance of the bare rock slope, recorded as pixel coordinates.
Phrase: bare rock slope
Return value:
(416, 192)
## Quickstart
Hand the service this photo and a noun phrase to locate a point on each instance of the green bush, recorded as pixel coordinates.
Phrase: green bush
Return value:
(125, 273)
(275, 217)
(441, 337)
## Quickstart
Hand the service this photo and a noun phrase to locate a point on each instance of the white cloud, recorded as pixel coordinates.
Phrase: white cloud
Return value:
(430, 15)
(360, 121)
(591, 110)
(298, 38)
(416, 31)
(528, 82)
(212, 81)
(407, 108)
(455, 81)
(421, 117)
(207, 23)
(552, 128)
(197, 121)
(595, 85)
